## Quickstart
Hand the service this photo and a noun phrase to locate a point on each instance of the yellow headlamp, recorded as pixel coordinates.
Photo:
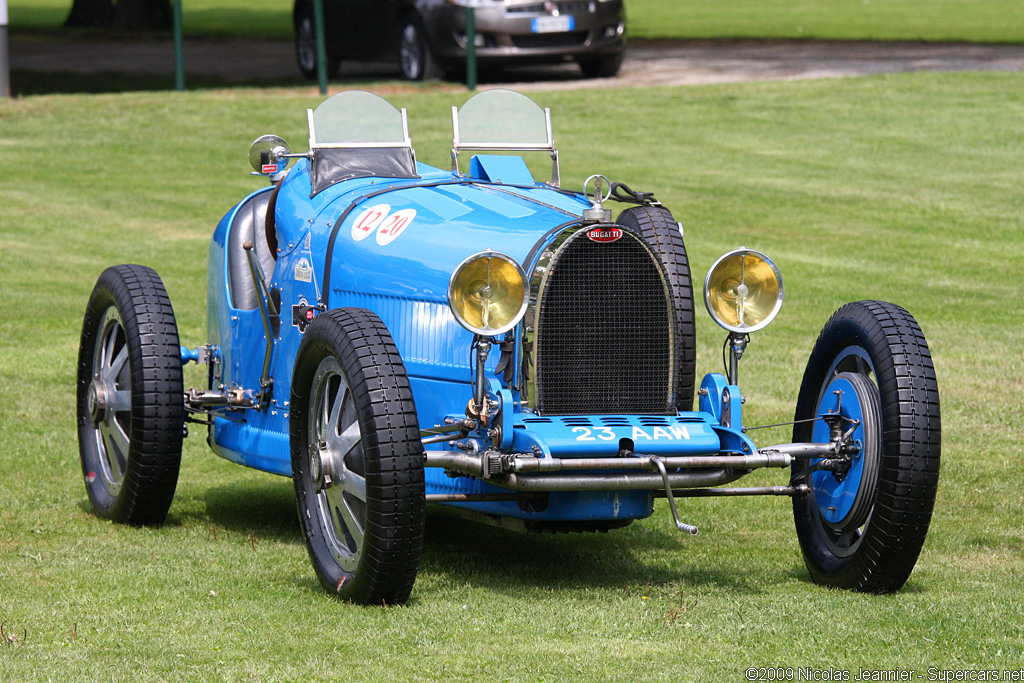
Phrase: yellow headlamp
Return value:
(743, 290)
(488, 293)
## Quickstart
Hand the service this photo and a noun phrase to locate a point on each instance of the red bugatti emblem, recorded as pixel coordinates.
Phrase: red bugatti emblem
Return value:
(604, 234)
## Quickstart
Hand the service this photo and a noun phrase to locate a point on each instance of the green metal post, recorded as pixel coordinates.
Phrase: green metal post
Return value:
(5, 66)
(321, 45)
(470, 48)
(179, 50)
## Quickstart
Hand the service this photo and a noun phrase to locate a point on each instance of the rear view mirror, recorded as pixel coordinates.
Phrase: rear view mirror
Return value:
(268, 155)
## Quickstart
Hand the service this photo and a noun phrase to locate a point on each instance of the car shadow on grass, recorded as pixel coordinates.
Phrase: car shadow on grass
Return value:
(465, 552)
(459, 551)
(264, 508)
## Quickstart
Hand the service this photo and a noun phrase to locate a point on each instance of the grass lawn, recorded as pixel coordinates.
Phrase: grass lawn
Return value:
(998, 21)
(905, 188)
(969, 20)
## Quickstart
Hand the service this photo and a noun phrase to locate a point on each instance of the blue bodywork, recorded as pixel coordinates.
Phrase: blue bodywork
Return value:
(390, 245)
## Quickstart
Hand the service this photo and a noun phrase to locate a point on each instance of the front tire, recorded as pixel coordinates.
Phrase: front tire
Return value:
(130, 397)
(357, 461)
(863, 530)
(659, 229)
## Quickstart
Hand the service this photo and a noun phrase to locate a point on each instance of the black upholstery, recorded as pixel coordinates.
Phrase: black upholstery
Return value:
(249, 226)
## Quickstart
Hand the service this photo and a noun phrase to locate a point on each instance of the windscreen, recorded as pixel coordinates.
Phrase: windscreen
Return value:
(502, 117)
(357, 117)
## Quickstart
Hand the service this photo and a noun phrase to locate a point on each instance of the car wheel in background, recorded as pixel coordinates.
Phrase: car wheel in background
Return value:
(357, 460)
(415, 58)
(305, 45)
(862, 527)
(606, 67)
(130, 397)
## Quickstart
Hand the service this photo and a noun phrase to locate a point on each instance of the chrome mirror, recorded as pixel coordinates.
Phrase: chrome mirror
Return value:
(268, 155)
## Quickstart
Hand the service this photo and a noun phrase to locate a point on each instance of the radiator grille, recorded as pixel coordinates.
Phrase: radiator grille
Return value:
(534, 41)
(572, 7)
(604, 331)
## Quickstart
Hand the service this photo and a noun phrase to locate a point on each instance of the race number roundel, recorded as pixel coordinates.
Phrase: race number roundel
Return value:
(394, 225)
(366, 222)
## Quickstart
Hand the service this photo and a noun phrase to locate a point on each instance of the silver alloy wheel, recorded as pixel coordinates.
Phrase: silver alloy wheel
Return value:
(337, 465)
(410, 52)
(129, 395)
(110, 400)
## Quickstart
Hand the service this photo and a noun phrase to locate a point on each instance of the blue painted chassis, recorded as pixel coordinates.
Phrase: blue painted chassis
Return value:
(497, 206)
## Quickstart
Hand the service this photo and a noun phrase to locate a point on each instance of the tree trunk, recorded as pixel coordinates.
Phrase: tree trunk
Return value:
(90, 13)
(121, 15)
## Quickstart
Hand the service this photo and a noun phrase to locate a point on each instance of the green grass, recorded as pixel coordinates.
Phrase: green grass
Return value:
(996, 21)
(939, 20)
(905, 188)
(254, 18)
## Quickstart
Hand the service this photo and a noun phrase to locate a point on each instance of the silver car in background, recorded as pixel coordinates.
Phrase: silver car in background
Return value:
(428, 37)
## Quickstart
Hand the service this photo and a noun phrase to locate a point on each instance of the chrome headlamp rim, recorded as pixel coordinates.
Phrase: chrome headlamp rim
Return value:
(489, 332)
(743, 251)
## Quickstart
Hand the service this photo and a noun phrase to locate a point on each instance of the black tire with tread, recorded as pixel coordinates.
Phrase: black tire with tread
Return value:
(155, 423)
(660, 230)
(887, 546)
(391, 451)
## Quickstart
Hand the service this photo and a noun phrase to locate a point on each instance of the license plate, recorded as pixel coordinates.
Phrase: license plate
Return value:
(552, 24)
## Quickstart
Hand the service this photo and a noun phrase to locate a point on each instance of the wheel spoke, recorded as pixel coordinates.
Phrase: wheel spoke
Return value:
(355, 485)
(349, 519)
(341, 445)
(117, 364)
(335, 413)
(119, 438)
(108, 347)
(122, 402)
(323, 428)
(110, 455)
(115, 451)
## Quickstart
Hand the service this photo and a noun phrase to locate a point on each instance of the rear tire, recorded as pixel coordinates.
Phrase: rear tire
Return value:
(357, 461)
(130, 397)
(876, 354)
(660, 230)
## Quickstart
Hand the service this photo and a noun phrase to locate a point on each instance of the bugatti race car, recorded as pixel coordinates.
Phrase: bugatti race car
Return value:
(390, 334)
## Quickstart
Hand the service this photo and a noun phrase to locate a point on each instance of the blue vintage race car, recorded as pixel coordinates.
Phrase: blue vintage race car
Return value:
(390, 334)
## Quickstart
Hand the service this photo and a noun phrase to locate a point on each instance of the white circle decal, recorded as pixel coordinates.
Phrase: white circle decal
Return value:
(394, 225)
(368, 220)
